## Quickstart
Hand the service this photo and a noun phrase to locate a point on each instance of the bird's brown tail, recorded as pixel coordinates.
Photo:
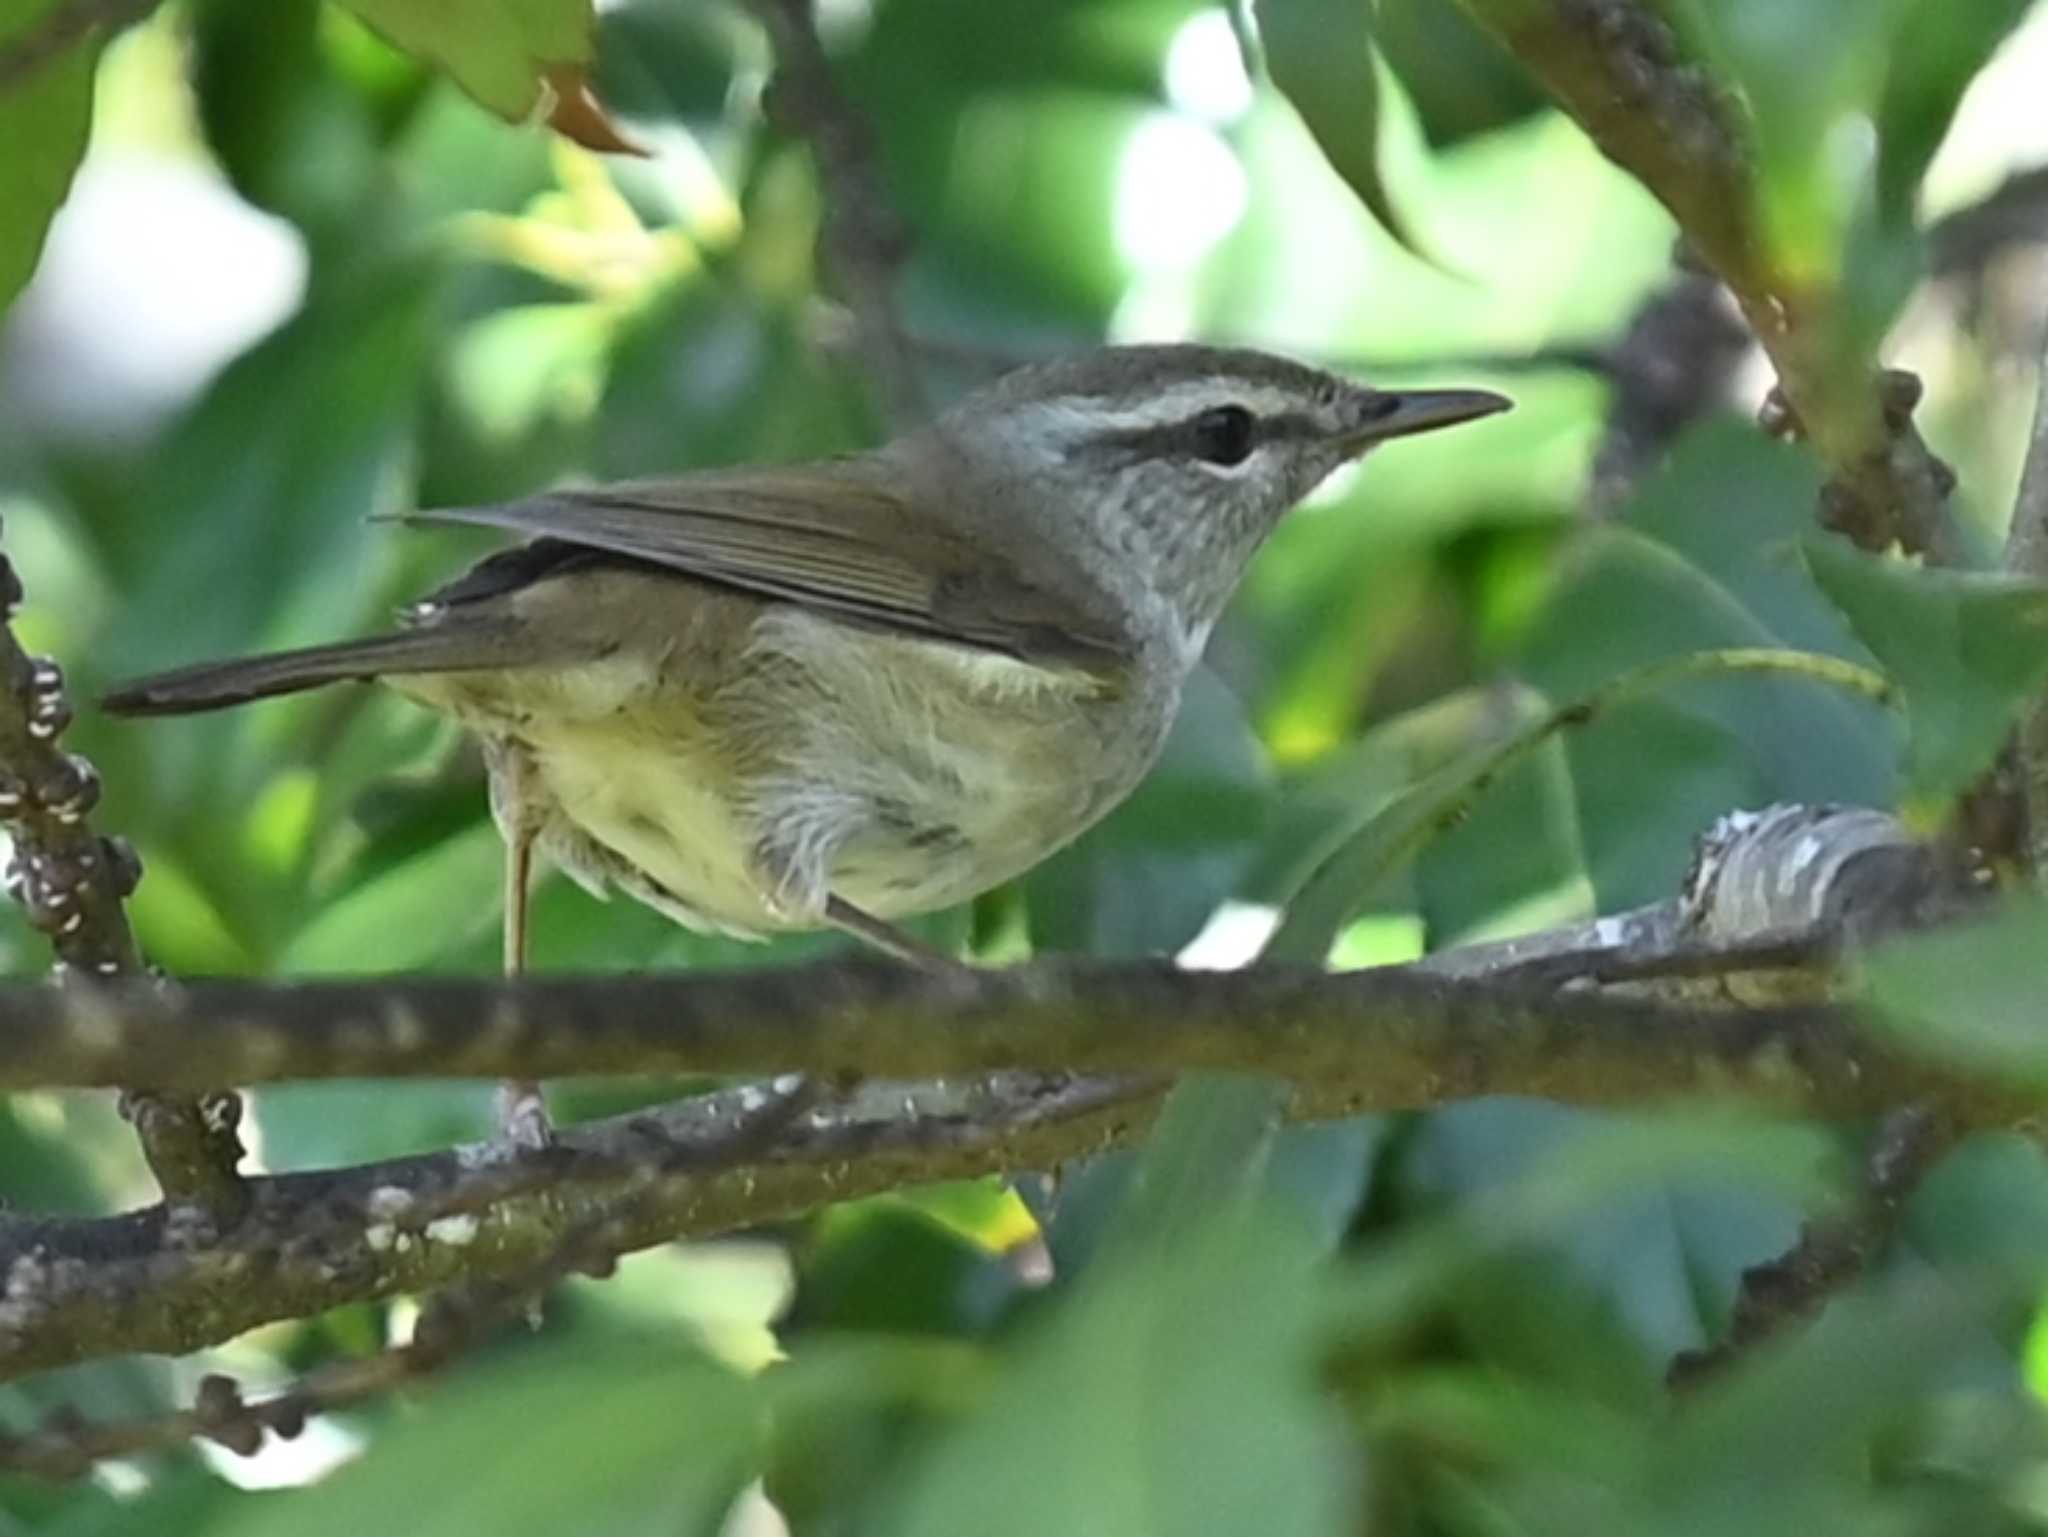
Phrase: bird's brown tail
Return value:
(216, 685)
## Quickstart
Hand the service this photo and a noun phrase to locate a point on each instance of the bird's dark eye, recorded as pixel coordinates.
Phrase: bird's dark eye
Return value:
(1223, 434)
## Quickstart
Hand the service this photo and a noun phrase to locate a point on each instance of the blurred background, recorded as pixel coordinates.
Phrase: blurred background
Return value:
(301, 282)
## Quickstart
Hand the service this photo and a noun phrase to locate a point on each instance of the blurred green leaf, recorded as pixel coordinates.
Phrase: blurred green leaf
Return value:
(502, 52)
(1145, 879)
(882, 1265)
(1707, 557)
(44, 120)
(1650, 1260)
(44, 1143)
(1396, 832)
(844, 1412)
(250, 530)
(1205, 1162)
(333, 1125)
(609, 1435)
(1511, 862)
(1967, 650)
(663, 61)
(1983, 1212)
(1463, 82)
(400, 920)
(1938, 49)
(1969, 993)
(1320, 54)
(185, 1497)
(290, 135)
(1007, 131)
(1804, 67)
(1170, 1394)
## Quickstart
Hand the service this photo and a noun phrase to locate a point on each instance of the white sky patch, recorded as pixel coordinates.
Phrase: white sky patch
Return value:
(1158, 308)
(156, 274)
(308, 1457)
(1335, 488)
(2001, 126)
(1205, 75)
(1233, 937)
(1179, 190)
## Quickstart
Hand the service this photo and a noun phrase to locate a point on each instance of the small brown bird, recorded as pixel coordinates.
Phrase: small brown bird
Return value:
(839, 693)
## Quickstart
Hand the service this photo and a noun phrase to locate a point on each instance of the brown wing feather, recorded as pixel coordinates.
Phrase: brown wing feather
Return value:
(824, 536)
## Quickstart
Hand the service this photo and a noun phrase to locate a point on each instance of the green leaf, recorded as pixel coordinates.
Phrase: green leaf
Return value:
(1320, 54)
(882, 1266)
(1463, 82)
(332, 1125)
(634, 1437)
(1146, 878)
(1513, 860)
(1206, 1160)
(1174, 1393)
(1654, 1241)
(499, 51)
(44, 121)
(1707, 557)
(1804, 68)
(1967, 650)
(1970, 993)
(409, 916)
(1383, 843)
(1386, 841)
(250, 531)
(1940, 47)
(1983, 1212)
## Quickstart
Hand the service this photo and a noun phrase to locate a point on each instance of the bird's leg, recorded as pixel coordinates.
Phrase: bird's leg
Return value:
(897, 943)
(522, 1112)
(793, 864)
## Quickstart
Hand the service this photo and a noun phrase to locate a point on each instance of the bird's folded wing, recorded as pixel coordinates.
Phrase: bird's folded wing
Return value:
(826, 540)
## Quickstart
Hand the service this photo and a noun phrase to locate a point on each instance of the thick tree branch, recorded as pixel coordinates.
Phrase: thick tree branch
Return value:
(1618, 68)
(80, 1288)
(72, 882)
(1390, 1039)
(1368, 1041)
(1374, 1040)
(65, 1446)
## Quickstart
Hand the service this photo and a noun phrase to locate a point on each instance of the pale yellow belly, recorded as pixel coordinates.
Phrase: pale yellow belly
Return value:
(890, 774)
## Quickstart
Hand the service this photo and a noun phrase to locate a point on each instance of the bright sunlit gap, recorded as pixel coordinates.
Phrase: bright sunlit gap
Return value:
(1234, 935)
(1179, 190)
(141, 334)
(1205, 75)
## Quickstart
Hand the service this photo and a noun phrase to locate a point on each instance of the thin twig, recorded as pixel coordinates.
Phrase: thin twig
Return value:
(78, 1289)
(63, 26)
(2026, 554)
(866, 242)
(1805, 953)
(1618, 68)
(1832, 1253)
(72, 883)
(1676, 362)
(65, 1445)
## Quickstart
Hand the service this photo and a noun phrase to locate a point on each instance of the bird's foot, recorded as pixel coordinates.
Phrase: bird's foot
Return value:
(523, 1124)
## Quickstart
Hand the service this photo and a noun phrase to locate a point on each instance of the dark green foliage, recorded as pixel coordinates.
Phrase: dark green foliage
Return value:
(1454, 1323)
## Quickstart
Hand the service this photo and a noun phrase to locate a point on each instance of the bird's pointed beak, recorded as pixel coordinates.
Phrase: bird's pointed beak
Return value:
(1387, 414)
